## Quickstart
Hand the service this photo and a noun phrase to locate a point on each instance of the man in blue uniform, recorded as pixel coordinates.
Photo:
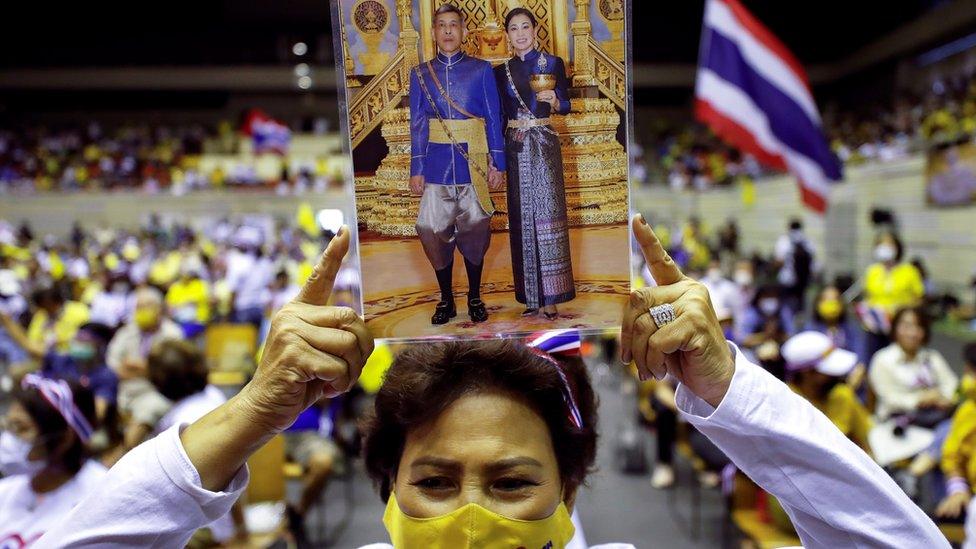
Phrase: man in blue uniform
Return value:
(457, 155)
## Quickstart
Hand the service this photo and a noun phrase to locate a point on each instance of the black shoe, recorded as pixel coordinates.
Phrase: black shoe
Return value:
(444, 312)
(529, 311)
(551, 316)
(477, 311)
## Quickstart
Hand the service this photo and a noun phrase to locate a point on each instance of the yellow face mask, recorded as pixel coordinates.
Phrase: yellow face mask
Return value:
(146, 318)
(830, 309)
(474, 526)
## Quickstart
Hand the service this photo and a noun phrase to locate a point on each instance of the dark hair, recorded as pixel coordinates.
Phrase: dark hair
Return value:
(52, 427)
(920, 316)
(796, 224)
(101, 332)
(899, 247)
(47, 294)
(969, 353)
(425, 379)
(177, 369)
(520, 11)
(448, 7)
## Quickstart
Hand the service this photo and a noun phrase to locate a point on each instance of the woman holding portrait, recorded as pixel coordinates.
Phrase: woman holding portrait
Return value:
(539, 233)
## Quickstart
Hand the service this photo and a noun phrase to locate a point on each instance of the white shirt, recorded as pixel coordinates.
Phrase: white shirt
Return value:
(899, 383)
(111, 308)
(248, 276)
(834, 493)
(25, 515)
(192, 408)
(185, 412)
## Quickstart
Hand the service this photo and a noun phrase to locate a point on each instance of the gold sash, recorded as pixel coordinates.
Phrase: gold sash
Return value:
(472, 132)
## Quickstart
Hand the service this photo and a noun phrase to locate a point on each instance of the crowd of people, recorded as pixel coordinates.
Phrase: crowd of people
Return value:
(146, 158)
(117, 320)
(859, 351)
(689, 156)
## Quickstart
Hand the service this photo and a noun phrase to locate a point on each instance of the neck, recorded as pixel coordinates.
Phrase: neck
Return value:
(449, 54)
(910, 355)
(521, 54)
(49, 480)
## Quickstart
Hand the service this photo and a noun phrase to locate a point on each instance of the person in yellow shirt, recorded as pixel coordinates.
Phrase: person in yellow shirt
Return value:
(818, 371)
(56, 320)
(890, 284)
(959, 453)
(188, 299)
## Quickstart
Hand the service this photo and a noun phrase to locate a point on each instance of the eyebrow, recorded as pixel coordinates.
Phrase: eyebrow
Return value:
(500, 465)
(511, 463)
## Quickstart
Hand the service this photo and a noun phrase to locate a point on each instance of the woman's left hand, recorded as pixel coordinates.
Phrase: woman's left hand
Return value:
(548, 96)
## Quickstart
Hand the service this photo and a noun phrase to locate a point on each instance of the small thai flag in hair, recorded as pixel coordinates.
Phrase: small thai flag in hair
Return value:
(563, 343)
(58, 394)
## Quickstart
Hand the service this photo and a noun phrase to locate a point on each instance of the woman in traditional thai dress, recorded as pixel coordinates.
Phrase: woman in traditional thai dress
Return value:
(538, 230)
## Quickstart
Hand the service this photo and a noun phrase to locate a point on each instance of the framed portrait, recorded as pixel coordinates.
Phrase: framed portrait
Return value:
(489, 143)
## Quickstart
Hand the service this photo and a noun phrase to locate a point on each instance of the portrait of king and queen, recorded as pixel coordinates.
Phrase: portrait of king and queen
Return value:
(514, 121)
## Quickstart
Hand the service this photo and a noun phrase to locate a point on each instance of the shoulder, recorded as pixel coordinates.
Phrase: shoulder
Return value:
(170, 330)
(91, 472)
(885, 356)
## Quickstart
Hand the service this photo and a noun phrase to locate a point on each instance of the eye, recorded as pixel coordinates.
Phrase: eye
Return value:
(513, 484)
(434, 483)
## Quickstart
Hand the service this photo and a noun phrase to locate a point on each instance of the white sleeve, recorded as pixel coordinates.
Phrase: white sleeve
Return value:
(834, 493)
(151, 498)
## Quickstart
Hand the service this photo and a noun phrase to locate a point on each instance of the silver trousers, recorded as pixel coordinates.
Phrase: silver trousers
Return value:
(451, 217)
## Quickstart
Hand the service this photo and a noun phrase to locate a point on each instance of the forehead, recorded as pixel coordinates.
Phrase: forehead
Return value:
(483, 427)
(520, 19)
(448, 17)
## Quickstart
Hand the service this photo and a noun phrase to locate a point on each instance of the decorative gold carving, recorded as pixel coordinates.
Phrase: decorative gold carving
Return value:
(383, 92)
(608, 74)
(350, 64)
(612, 11)
(582, 60)
(371, 19)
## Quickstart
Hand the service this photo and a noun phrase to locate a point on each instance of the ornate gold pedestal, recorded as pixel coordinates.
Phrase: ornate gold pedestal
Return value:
(594, 163)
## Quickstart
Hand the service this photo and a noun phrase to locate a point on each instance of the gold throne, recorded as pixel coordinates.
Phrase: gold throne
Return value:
(594, 161)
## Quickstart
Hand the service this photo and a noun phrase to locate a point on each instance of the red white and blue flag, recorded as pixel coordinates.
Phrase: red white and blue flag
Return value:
(755, 95)
(268, 134)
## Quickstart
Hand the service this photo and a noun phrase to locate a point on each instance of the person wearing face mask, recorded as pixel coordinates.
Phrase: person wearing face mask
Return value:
(829, 317)
(724, 292)
(768, 324)
(534, 444)
(889, 284)
(817, 369)
(745, 286)
(139, 402)
(84, 361)
(44, 458)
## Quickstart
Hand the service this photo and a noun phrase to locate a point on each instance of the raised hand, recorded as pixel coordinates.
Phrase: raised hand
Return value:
(692, 348)
(313, 349)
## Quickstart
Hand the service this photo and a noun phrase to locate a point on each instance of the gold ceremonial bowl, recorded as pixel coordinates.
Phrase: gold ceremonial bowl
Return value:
(542, 82)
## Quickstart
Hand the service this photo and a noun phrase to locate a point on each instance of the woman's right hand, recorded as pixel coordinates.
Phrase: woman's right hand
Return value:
(312, 350)
(692, 348)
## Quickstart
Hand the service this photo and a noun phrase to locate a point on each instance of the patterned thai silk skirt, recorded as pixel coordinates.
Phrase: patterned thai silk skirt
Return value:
(539, 234)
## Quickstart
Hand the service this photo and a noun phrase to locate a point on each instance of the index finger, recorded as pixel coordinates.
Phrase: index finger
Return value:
(318, 287)
(663, 268)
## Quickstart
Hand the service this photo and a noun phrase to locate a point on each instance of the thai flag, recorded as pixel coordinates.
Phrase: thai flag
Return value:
(268, 134)
(754, 94)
